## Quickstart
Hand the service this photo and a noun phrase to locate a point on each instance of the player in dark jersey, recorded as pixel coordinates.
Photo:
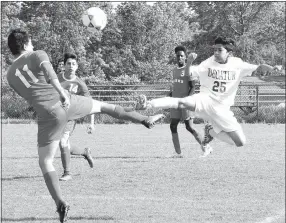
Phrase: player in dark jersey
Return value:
(182, 86)
(74, 85)
(32, 76)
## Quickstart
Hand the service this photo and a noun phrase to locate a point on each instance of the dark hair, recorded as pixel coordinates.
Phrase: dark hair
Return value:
(228, 43)
(68, 56)
(17, 39)
(181, 48)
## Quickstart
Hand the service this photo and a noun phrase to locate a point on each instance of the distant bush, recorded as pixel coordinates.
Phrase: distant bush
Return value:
(267, 114)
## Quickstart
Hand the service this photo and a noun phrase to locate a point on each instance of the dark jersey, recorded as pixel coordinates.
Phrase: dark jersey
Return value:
(26, 77)
(74, 86)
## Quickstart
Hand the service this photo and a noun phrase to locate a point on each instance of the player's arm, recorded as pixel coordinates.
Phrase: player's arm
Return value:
(51, 76)
(189, 70)
(256, 70)
(192, 87)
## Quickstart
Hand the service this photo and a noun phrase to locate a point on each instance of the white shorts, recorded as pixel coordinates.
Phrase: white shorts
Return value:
(218, 115)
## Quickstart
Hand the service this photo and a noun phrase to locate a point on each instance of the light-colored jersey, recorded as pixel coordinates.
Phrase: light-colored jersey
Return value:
(180, 86)
(74, 86)
(220, 81)
(26, 77)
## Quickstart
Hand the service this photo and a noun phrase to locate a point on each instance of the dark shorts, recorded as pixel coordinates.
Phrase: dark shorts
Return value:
(52, 122)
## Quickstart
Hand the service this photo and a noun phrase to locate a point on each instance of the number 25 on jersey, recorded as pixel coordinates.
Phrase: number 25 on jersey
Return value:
(219, 86)
(26, 73)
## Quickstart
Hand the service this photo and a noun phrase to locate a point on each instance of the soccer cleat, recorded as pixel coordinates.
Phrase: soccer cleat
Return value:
(207, 138)
(63, 212)
(88, 157)
(65, 177)
(141, 102)
(151, 120)
(207, 149)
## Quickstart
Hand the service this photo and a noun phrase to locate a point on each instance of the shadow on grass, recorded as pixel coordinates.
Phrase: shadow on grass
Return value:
(31, 219)
(26, 177)
(20, 178)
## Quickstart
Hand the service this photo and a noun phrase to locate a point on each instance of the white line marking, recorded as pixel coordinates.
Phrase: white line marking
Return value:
(278, 216)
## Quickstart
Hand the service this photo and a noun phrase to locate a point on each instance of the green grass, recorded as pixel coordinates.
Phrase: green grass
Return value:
(133, 180)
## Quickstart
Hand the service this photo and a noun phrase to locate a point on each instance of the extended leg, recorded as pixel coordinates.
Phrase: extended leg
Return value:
(119, 112)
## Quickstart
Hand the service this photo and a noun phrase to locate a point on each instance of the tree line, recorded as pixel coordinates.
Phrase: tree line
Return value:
(139, 40)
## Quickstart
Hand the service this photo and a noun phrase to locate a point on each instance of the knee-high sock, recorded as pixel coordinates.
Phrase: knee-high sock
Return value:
(120, 113)
(164, 103)
(52, 183)
(66, 158)
(176, 142)
(78, 151)
(223, 136)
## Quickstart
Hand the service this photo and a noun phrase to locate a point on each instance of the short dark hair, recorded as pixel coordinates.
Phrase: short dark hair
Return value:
(68, 56)
(181, 48)
(17, 39)
(228, 43)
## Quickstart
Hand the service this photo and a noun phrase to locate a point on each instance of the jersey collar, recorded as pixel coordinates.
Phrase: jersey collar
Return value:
(20, 56)
(63, 75)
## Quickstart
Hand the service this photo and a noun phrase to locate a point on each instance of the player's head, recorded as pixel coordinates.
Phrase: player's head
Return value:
(19, 40)
(181, 55)
(61, 66)
(223, 48)
(70, 61)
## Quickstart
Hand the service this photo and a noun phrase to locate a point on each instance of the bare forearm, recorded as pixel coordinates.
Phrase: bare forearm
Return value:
(56, 84)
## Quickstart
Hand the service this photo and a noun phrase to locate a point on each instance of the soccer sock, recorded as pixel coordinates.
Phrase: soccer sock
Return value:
(164, 103)
(120, 113)
(78, 151)
(52, 183)
(197, 136)
(176, 142)
(66, 159)
(223, 136)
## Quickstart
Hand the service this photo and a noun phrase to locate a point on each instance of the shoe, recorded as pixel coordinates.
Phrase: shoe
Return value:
(63, 212)
(65, 177)
(88, 157)
(207, 149)
(207, 138)
(141, 102)
(151, 120)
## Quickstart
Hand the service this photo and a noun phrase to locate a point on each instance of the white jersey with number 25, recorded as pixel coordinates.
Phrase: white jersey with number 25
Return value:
(220, 81)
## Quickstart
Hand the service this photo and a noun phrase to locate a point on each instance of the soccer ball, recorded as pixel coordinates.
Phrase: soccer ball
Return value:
(94, 18)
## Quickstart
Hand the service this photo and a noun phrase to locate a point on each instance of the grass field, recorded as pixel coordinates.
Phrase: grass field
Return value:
(134, 180)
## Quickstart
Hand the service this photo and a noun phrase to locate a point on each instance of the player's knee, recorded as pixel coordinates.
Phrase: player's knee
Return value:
(189, 127)
(174, 128)
(45, 164)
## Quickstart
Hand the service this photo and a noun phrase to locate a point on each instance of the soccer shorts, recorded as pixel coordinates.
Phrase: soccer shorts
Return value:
(218, 115)
(52, 121)
(182, 114)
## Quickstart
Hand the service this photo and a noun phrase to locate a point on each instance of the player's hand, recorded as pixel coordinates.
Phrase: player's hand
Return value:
(191, 58)
(90, 129)
(65, 100)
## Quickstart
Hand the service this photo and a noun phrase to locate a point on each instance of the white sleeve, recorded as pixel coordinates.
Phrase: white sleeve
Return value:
(247, 69)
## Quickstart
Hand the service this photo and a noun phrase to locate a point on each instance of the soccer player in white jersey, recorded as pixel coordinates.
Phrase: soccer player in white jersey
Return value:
(219, 76)
(182, 86)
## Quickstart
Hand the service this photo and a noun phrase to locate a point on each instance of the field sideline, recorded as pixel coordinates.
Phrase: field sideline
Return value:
(134, 180)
